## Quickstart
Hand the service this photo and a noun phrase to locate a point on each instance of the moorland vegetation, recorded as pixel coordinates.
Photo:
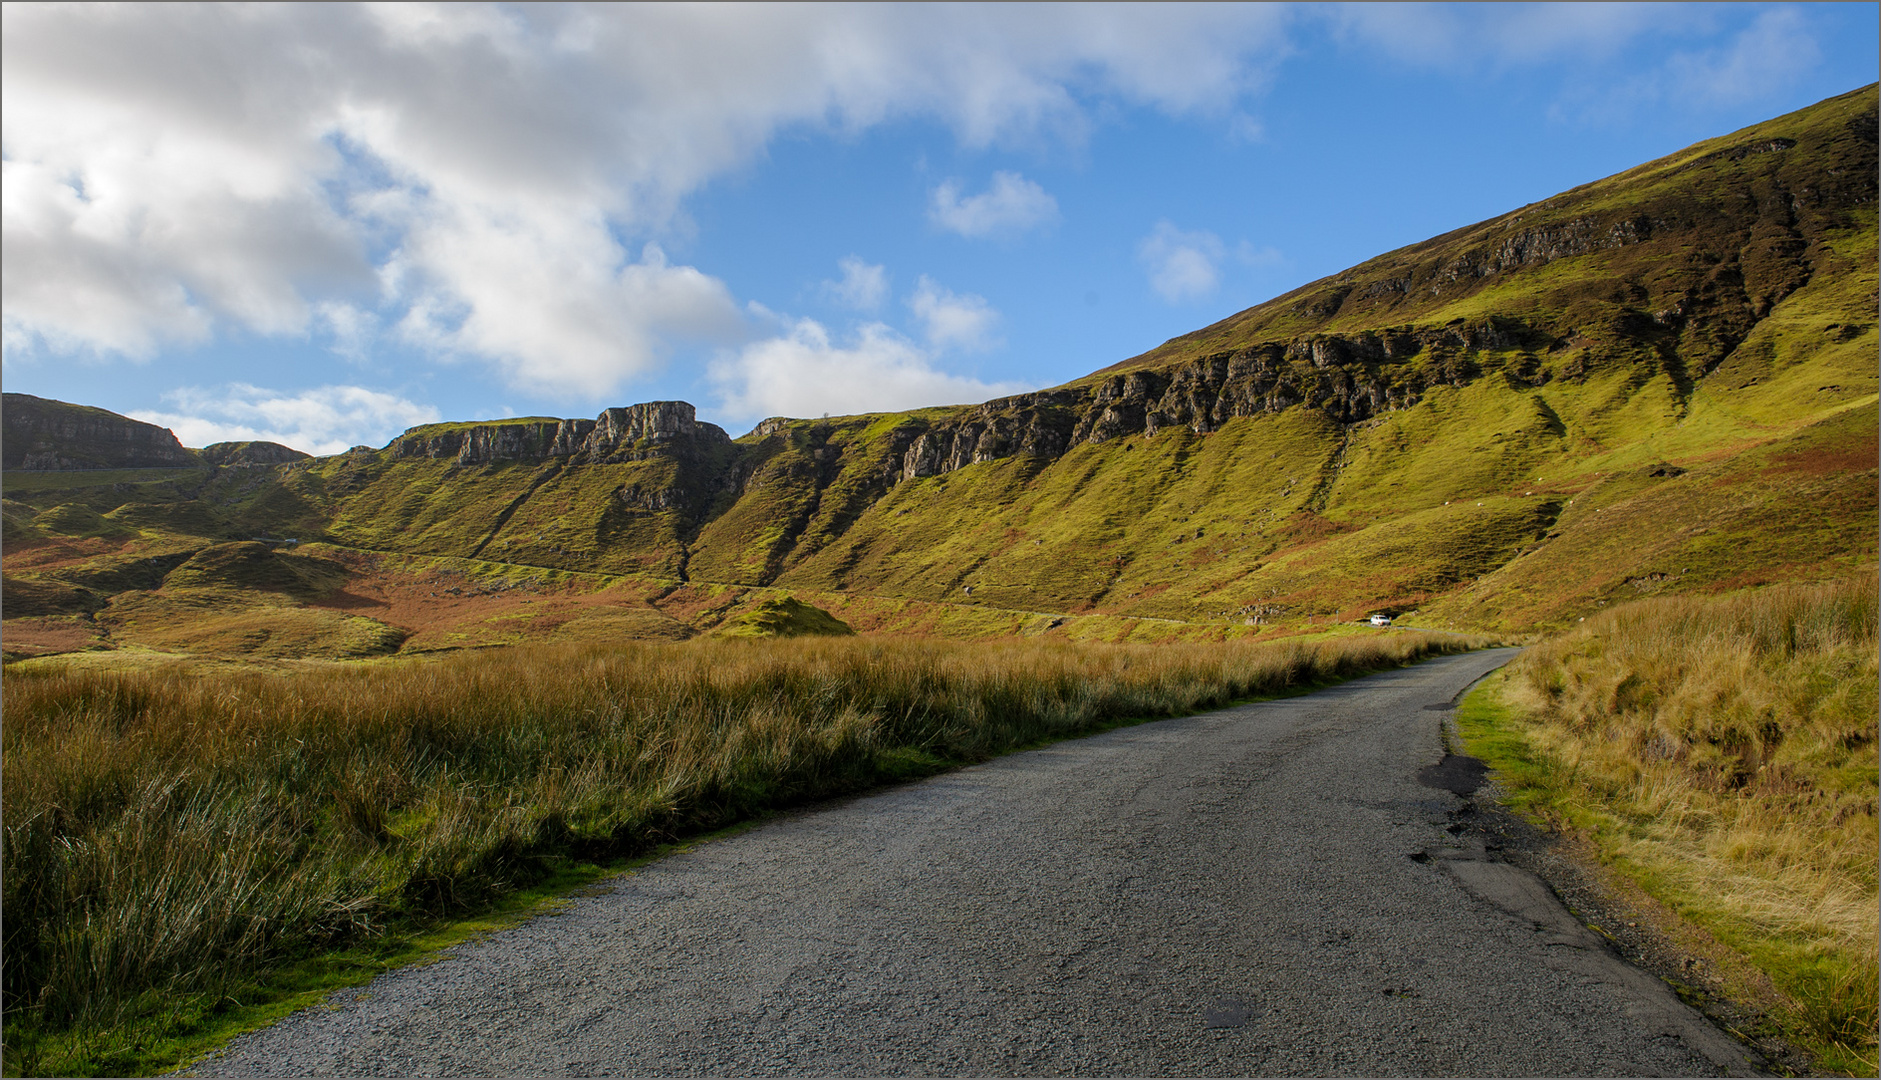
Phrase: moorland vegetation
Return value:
(1662, 382)
(256, 719)
(1722, 750)
(176, 838)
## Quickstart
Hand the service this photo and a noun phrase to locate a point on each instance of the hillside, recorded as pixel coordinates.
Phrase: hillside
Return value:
(1660, 382)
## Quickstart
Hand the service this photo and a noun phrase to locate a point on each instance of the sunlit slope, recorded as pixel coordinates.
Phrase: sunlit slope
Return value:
(1575, 381)
(1679, 258)
(1664, 381)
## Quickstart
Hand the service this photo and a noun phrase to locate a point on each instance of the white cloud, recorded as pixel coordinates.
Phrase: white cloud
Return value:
(864, 285)
(1012, 204)
(481, 175)
(352, 329)
(1182, 266)
(326, 420)
(1760, 61)
(583, 329)
(803, 373)
(1766, 57)
(950, 320)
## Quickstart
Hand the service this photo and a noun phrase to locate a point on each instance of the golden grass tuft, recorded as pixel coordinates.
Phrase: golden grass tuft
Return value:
(1726, 749)
(169, 833)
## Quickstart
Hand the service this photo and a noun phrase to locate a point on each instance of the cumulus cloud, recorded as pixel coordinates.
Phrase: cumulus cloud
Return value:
(1012, 204)
(483, 179)
(1183, 266)
(803, 372)
(584, 330)
(950, 320)
(864, 285)
(325, 420)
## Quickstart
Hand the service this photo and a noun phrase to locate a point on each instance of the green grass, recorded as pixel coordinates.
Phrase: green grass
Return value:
(35, 483)
(158, 1033)
(782, 617)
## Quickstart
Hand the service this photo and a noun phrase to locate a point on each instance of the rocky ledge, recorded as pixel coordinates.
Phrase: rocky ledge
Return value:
(622, 434)
(41, 434)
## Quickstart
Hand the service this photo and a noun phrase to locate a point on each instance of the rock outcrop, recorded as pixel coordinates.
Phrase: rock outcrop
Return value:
(42, 434)
(242, 454)
(1349, 377)
(632, 433)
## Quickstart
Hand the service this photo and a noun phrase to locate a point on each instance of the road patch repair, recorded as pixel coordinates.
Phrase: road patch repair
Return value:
(1575, 948)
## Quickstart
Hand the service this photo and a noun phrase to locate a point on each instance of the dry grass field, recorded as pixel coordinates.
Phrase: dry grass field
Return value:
(173, 833)
(1722, 751)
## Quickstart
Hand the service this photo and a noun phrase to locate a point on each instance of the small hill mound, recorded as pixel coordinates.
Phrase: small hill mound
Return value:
(786, 617)
(250, 453)
(16, 522)
(252, 565)
(191, 518)
(74, 519)
(24, 597)
(207, 625)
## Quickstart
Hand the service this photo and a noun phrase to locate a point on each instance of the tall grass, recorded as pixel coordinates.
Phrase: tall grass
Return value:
(1730, 746)
(168, 832)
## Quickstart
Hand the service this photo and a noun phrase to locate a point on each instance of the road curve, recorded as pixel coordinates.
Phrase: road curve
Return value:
(1234, 893)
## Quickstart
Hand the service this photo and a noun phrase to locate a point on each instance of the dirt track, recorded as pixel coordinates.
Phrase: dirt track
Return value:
(1262, 890)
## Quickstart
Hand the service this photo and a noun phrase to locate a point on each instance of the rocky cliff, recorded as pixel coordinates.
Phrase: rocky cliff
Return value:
(41, 434)
(621, 434)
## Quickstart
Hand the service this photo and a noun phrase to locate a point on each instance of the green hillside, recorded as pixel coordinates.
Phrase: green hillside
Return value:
(1660, 382)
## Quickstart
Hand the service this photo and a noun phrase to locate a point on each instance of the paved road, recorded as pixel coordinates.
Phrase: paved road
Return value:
(1233, 893)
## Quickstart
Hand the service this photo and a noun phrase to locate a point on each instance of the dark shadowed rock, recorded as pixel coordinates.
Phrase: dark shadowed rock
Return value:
(43, 434)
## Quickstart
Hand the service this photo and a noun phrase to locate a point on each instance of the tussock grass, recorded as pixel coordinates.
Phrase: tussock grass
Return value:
(170, 833)
(1725, 749)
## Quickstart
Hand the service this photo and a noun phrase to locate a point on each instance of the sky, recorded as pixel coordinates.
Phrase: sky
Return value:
(323, 224)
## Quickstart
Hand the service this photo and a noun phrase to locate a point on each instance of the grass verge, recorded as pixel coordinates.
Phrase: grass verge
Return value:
(189, 853)
(1720, 753)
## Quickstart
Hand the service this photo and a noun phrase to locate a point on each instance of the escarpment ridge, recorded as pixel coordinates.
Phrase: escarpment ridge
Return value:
(1662, 381)
(41, 434)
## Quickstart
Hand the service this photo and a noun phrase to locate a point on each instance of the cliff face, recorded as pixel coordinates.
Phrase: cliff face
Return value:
(1349, 378)
(52, 435)
(633, 433)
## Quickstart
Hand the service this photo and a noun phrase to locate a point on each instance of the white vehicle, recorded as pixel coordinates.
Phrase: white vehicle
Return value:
(1381, 620)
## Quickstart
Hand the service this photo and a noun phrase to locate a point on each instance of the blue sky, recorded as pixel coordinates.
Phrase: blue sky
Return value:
(323, 224)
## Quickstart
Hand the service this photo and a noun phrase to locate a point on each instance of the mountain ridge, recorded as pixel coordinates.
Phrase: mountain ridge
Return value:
(1502, 427)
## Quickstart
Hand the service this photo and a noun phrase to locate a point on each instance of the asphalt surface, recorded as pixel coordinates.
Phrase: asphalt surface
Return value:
(1264, 890)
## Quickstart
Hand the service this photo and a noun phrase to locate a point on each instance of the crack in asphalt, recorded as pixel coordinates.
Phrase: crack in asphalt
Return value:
(1221, 894)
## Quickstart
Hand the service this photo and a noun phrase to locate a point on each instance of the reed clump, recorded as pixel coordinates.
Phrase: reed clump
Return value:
(1725, 747)
(167, 832)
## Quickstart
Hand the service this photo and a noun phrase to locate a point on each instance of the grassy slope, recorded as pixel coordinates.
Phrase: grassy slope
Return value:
(1732, 337)
(1736, 218)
